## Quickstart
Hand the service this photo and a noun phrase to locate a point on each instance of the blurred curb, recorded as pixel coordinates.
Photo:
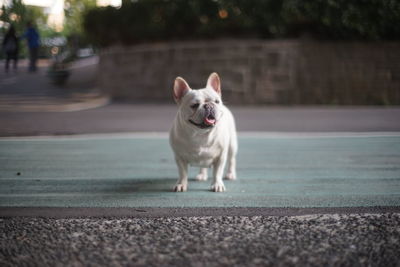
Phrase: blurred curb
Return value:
(76, 102)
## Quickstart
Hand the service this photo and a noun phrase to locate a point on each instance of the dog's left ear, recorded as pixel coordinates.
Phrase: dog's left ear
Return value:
(214, 82)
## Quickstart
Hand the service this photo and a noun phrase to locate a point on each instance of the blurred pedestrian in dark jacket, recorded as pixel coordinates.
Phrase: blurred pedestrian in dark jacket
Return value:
(32, 37)
(10, 47)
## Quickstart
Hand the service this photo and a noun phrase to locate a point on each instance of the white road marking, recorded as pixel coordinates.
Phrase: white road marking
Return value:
(164, 135)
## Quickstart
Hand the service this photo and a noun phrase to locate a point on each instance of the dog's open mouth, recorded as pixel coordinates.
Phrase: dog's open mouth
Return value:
(208, 122)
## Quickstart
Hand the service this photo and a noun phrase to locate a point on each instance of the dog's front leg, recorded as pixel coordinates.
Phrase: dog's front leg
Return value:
(181, 184)
(218, 170)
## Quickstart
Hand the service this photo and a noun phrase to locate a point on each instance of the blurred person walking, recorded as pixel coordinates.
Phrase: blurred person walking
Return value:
(33, 40)
(10, 48)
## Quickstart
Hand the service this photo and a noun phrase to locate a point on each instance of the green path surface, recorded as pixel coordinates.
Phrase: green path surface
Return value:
(134, 171)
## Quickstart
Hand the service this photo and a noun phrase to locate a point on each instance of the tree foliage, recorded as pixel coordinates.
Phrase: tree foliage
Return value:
(147, 20)
(18, 14)
(74, 11)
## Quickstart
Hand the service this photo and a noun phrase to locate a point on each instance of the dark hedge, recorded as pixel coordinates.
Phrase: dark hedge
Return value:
(154, 20)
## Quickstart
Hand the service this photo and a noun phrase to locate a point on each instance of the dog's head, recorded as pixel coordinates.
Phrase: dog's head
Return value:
(200, 108)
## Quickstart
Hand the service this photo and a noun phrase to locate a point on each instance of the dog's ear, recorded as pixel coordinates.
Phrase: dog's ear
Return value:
(214, 82)
(181, 88)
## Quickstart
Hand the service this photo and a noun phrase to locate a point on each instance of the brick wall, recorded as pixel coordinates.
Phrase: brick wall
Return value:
(258, 71)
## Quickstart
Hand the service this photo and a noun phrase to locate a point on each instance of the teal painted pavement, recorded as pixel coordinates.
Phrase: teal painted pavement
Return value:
(132, 171)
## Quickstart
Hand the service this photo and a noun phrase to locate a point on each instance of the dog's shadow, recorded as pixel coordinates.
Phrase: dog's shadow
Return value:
(154, 185)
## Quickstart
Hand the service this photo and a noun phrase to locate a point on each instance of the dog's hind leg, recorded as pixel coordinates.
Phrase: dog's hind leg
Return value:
(203, 175)
(231, 173)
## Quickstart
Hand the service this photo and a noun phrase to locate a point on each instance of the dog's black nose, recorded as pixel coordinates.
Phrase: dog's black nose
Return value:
(207, 106)
(209, 111)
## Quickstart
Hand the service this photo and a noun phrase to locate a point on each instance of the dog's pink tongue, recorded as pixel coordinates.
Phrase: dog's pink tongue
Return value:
(209, 121)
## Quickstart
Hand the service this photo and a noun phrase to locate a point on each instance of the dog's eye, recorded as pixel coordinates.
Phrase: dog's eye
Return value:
(217, 101)
(195, 105)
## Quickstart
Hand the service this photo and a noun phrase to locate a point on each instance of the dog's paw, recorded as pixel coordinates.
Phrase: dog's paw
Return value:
(201, 177)
(218, 187)
(180, 188)
(230, 176)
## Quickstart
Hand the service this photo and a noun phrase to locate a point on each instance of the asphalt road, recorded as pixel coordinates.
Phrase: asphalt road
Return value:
(235, 236)
(313, 240)
(139, 171)
(352, 236)
(120, 118)
(60, 172)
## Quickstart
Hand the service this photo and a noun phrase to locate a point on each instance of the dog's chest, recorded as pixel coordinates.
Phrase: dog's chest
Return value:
(202, 156)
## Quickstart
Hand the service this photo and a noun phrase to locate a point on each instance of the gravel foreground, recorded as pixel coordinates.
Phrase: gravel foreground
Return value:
(311, 240)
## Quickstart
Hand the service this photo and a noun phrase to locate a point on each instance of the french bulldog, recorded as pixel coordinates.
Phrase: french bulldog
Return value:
(203, 134)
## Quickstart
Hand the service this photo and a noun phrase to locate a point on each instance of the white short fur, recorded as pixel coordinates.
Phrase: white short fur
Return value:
(203, 133)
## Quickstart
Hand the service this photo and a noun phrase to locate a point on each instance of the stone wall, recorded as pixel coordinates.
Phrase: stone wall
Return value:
(258, 71)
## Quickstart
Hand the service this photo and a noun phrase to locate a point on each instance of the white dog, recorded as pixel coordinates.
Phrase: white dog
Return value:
(203, 133)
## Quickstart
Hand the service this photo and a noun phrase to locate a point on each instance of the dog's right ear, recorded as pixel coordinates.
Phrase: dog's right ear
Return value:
(181, 88)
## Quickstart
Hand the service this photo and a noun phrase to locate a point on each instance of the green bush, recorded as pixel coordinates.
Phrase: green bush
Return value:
(152, 20)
